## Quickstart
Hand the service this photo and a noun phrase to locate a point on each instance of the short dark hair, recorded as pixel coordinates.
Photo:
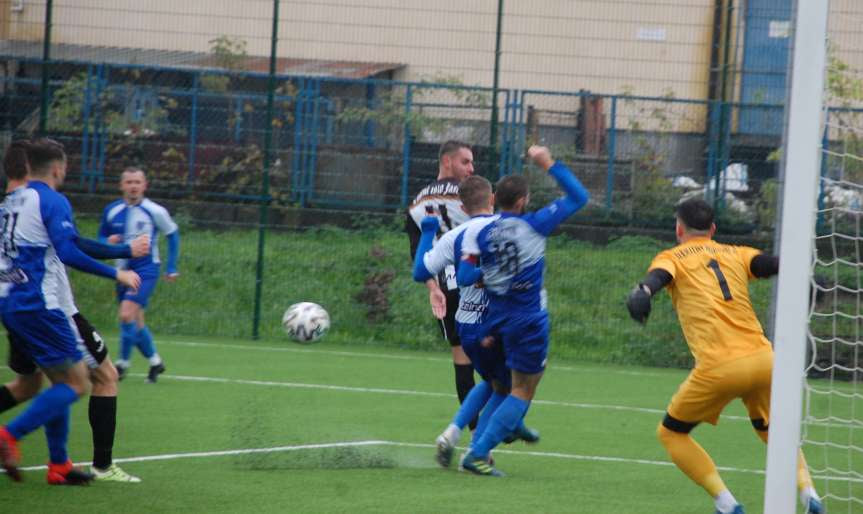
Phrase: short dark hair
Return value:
(134, 169)
(510, 189)
(42, 152)
(695, 213)
(15, 163)
(451, 146)
(474, 193)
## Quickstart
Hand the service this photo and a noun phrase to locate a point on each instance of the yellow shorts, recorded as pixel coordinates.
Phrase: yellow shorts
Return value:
(705, 392)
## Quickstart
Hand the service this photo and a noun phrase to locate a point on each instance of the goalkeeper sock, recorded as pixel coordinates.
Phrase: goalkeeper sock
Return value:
(804, 479)
(691, 458)
(487, 412)
(472, 404)
(502, 423)
(128, 335)
(725, 501)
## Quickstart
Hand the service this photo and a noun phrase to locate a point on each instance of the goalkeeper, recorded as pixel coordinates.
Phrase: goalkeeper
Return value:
(708, 283)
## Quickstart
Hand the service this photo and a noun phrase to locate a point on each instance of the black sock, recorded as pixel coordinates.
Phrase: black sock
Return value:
(7, 401)
(103, 422)
(464, 383)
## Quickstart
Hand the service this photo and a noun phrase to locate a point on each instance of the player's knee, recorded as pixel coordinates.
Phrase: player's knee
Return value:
(671, 427)
(104, 379)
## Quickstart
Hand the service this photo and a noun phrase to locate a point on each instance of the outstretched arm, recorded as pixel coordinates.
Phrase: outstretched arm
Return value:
(100, 250)
(638, 301)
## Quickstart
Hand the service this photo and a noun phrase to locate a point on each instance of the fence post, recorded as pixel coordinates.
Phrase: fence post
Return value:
(193, 129)
(85, 129)
(265, 176)
(406, 145)
(612, 153)
(46, 68)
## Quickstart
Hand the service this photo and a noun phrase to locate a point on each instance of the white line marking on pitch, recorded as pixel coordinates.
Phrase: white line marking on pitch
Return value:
(408, 392)
(555, 455)
(383, 356)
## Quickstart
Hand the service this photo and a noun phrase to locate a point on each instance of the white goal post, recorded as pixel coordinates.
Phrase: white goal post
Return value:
(801, 164)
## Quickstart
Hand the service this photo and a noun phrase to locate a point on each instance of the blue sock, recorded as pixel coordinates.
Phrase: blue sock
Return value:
(472, 404)
(57, 434)
(502, 423)
(491, 405)
(144, 342)
(128, 335)
(48, 405)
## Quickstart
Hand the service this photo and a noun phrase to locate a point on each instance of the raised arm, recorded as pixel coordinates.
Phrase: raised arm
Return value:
(576, 196)
(430, 226)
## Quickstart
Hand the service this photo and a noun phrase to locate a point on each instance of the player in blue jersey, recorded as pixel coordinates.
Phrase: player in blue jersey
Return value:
(102, 408)
(124, 220)
(37, 237)
(510, 254)
(488, 359)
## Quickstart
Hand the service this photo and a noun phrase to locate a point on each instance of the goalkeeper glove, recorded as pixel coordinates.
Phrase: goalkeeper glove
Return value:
(638, 303)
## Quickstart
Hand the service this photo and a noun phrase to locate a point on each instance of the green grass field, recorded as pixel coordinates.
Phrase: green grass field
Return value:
(271, 426)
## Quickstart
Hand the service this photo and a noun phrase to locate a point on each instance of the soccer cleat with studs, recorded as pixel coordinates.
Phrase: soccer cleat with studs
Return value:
(9, 454)
(445, 450)
(523, 433)
(154, 372)
(738, 509)
(479, 466)
(113, 473)
(67, 474)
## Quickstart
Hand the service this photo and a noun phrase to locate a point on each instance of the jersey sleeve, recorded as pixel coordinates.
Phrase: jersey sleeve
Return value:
(549, 217)
(413, 232)
(746, 254)
(664, 261)
(57, 216)
(163, 221)
(470, 243)
(441, 255)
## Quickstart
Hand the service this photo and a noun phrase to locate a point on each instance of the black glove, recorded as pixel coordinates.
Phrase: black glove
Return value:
(638, 304)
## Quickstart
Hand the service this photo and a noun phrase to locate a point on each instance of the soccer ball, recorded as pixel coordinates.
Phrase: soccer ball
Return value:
(306, 322)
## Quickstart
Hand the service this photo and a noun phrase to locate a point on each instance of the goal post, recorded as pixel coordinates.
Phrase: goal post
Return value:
(801, 163)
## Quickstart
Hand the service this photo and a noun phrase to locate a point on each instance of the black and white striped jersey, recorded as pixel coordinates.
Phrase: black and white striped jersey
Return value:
(440, 197)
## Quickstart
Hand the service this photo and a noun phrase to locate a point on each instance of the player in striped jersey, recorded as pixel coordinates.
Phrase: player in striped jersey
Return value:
(510, 254)
(455, 163)
(488, 359)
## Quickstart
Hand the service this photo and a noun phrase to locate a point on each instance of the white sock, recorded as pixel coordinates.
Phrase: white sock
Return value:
(452, 434)
(724, 501)
(806, 493)
(155, 360)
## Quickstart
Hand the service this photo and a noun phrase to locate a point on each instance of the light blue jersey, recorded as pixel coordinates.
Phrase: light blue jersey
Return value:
(447, 252)
(131, 221)
(38, 237)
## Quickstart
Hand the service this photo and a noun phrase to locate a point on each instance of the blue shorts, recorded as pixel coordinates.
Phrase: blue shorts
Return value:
(525, 339)
(48, 337)
(490, 363)
(142, 296)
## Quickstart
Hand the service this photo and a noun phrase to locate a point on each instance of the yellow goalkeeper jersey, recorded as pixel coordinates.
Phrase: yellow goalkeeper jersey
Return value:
(710, 292)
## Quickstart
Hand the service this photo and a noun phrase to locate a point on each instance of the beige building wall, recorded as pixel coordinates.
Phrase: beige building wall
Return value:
(643, 47)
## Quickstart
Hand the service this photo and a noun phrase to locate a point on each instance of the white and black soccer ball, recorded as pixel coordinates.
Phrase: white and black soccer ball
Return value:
(306, 322)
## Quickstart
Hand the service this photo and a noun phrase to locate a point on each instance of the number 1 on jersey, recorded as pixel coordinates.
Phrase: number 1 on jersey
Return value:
(720, 277)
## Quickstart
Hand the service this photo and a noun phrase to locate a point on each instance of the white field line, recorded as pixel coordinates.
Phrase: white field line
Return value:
(409, 392)
(554, 455)
(373, 355)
